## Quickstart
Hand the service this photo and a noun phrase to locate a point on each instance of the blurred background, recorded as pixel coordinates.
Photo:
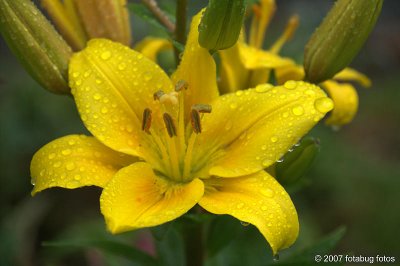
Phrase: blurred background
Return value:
(355, 181)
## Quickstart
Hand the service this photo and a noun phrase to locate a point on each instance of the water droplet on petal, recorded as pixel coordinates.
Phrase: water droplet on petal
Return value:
(70, 166)
(323, 104)
(298, 110)
(267, 162)
(290, 84)
(52, 156)
(276, 257)
(244, 223)
(274, 139)
(66, 152)
(105, 55)
(104, 110)
(267, 192)
(233, 105)
(121, 66)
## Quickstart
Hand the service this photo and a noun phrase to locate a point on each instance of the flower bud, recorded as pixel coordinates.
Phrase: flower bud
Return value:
(296, 163)
(221, 23)
(339, 38)
(34, 41)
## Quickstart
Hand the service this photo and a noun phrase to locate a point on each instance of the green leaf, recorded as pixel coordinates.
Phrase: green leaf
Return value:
(170, 248)
(113, 247)
(325, 246)
(220, 233)
(143, 13)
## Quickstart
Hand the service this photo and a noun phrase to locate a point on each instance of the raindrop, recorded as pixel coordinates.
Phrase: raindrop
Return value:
(244, 223)
(298, 110)
(274, 139)
(267, 192)
(240, 205)
(276, 257)
(233, 105)
(267, 162)
(105, 55)
(323, 104)
(290, 85)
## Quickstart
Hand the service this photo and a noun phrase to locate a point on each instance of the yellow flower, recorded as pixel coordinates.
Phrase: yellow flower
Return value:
(157, 151)
(79, 21)
(246, 64)
(344, 95)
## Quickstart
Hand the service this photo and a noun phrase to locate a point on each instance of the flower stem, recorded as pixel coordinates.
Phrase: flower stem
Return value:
(180, 28)
(194, 248)
(159, 14)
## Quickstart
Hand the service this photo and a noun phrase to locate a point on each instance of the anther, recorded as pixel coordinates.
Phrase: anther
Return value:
(157, 95)
(169, 124)
(202, 108)
(146, 121)
(195, 120)
(181, 85)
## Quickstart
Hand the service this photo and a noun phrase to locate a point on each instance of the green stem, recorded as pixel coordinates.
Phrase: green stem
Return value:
(159, 14)
(194, 248)
(180, 27)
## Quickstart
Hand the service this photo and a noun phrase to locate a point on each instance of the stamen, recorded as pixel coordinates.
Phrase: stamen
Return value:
(171, 98)
(146, 121)
(195, 120)
(202, 108)
(157, 95)
(169, 124)
(181, 85)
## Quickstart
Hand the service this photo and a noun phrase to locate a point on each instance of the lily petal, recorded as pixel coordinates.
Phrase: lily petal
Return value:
(198, 69)
(290, 72)
(257, 199)
(234, 75)
(254, 58)
(112, 85)
(75, 161)
(151, 47)
(345, 97)
(249, 130)
(135, 198)
(349, 74)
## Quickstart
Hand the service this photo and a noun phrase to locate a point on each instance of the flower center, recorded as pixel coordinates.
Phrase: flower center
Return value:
(175, 142)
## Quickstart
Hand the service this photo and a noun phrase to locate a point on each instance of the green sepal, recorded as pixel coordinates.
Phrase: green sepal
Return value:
(296, 163)
(339, 38)
(221, 23)
(37, 45)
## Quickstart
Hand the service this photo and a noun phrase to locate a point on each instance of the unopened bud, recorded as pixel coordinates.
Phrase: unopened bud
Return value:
(339, 38)
(35, 42)
(221, 24)
(297, 162)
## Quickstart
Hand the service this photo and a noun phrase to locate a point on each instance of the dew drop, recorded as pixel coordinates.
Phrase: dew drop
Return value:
(233, 105)
(298, 110)
(57, 164)
(52, 156)
(66, 152)
(323, 104)
(244, 223)
(240, 205)
(70, 166)
(77, 177)
(97, 96)
(276, 257)
(147, 76)
(290, 84)
(106, 55)
(267, 192)
(267, 162)
(121, 66)
(239, 93)
(264, 147)
(264, 208)
(104, 110)
(274, 139)
(228, 125)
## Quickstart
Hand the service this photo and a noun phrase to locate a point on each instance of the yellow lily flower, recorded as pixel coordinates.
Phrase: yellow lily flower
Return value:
(79, 21)
(344, 95)
(158, 150)
(246, 64)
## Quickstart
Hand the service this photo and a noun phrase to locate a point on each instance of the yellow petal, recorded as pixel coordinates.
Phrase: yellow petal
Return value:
(234, 75)
(151, 47)
(249, 130)
(349, 74)
(135, 198)
(257, 199)
(290, 72)
(345, 98)
(263, 14)
(253, 58)
(75, 161)
(112, 85)
(198, 69)
(66, 22)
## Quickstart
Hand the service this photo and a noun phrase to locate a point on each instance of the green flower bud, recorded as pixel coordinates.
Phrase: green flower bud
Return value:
(339, 38)
(35, 42)
(296, 163)
(221, 24)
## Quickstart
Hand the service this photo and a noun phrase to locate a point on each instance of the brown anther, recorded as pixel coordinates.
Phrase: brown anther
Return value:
(181, 85)
(202, 108)
(157, 95)
(195, 120)
(169, 124)
(146, 121)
